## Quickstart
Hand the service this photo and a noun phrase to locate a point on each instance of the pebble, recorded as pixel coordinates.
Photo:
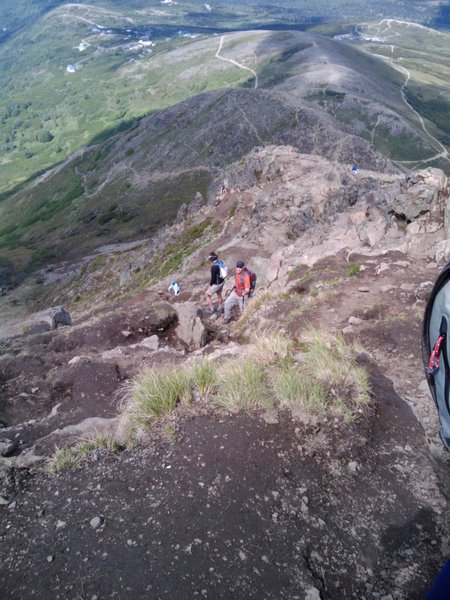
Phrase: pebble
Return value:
(381, 267)
(60, 524)
(353, 466)
(355, 321)
(50, 558)
(402, 263)
(96, 522)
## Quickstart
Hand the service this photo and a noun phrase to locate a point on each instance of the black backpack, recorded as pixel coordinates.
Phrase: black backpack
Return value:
(436, 349)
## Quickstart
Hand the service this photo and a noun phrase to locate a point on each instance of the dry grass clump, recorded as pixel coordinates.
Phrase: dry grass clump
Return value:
(66, 458)
(254, 306)
(243, 385)
(271, 347)
(317, 373)
(155, 393)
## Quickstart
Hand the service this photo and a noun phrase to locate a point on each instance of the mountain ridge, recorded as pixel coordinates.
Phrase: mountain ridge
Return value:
(198, 137)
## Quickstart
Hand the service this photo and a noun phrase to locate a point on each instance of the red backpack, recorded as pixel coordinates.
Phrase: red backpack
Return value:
(245, 271)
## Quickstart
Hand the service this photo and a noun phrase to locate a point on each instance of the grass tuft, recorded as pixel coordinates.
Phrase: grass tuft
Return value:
(271, 347)
(294, 388)
(327, 359)
(155, 394)
(67, 458)
(204, 377)
(62, 458)
(353, 270)
(243, 386)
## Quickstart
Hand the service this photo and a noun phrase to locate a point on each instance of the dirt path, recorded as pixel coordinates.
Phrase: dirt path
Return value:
(234, 62)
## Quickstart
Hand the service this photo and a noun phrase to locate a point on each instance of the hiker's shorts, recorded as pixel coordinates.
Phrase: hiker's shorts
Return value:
(215, 289)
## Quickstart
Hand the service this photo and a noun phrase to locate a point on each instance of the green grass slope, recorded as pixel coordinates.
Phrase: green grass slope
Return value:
(47, 112)
(421, 57)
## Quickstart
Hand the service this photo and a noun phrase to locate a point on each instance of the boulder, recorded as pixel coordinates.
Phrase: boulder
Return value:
(7, 446)
(54, 317)
(61, 317)
(152, 343)
(190, 329)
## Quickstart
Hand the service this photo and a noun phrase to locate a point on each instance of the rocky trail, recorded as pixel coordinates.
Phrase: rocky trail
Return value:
(218, 505)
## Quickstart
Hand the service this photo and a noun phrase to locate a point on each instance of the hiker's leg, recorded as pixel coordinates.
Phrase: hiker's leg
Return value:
(229, 303)
(219, 295)
(208, 297)
(241, 302)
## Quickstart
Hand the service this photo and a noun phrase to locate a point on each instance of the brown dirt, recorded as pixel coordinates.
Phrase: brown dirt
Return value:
(234, 506)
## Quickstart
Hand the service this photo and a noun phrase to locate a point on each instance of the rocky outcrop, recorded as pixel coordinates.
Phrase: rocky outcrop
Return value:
(190, 330)
(319, 207)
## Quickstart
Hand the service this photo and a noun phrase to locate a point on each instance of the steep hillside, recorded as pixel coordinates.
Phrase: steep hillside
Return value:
(133, 184)
(292, 453)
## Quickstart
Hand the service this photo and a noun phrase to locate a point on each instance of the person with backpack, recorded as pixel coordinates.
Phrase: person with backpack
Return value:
(242, 289)
(217, 280)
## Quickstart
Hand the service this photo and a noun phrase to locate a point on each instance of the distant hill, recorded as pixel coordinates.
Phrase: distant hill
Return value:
(134, 183)
(81, 73)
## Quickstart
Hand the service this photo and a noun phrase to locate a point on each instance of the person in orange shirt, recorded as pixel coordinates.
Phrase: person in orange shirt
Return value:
(240, 291)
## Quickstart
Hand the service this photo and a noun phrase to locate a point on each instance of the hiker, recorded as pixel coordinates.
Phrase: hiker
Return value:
(218, 274)
(241, 289)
